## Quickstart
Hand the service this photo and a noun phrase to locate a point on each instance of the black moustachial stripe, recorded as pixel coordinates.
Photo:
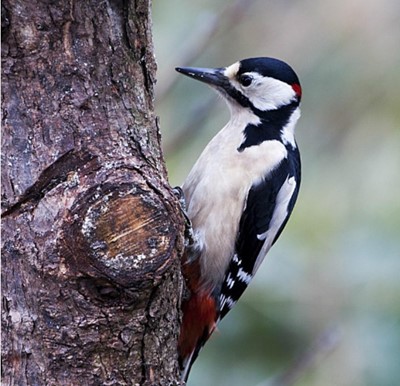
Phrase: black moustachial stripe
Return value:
(232, 92)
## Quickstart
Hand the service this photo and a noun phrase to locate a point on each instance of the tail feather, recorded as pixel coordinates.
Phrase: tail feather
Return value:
(199, 322)
(186, 367)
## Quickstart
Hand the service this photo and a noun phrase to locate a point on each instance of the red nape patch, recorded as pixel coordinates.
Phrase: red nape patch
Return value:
(297, 89)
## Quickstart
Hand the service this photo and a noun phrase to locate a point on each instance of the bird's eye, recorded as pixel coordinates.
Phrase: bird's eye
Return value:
(245, 80)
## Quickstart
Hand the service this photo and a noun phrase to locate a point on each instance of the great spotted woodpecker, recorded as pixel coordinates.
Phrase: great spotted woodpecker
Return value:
(240, 192)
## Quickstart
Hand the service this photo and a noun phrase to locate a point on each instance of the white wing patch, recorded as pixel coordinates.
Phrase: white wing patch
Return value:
(278, 217)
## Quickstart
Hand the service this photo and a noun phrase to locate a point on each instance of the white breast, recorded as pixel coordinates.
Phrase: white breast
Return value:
(217, 187)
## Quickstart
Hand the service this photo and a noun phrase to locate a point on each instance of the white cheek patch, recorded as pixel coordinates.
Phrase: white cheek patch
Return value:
(269, 93)
(264, 93)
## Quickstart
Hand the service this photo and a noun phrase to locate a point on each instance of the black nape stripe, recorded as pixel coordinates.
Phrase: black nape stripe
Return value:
(255, 135)
(270, 127)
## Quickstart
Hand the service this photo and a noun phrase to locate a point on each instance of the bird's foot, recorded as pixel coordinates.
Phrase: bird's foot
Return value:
(189, 235)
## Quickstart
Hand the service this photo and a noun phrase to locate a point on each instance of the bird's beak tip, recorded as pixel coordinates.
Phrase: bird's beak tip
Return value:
(211, 76)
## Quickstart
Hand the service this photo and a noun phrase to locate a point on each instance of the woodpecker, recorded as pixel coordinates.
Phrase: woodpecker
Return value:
(240, 192)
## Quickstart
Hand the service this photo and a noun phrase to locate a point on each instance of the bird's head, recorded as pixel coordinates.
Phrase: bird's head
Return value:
(259, 84)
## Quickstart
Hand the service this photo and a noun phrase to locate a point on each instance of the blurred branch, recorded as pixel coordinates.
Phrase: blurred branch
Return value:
(222, 23)
(322, 346)
(228, 18)
(198, 115)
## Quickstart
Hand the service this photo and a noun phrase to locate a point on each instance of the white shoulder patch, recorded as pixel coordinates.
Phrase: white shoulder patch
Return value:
(278, 217)
(288, 129)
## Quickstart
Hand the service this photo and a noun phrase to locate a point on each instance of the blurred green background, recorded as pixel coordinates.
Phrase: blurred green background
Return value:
(324, 308)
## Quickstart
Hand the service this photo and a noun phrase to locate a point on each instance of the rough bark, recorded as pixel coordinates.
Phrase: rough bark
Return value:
(91, 231)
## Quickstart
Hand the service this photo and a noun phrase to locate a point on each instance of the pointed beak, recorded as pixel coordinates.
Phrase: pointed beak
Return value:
(211, 76)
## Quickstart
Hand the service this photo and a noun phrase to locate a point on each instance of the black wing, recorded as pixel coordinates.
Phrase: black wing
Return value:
(262, 202)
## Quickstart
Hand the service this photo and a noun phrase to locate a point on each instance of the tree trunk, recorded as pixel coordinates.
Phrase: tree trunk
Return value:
(92, 233)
